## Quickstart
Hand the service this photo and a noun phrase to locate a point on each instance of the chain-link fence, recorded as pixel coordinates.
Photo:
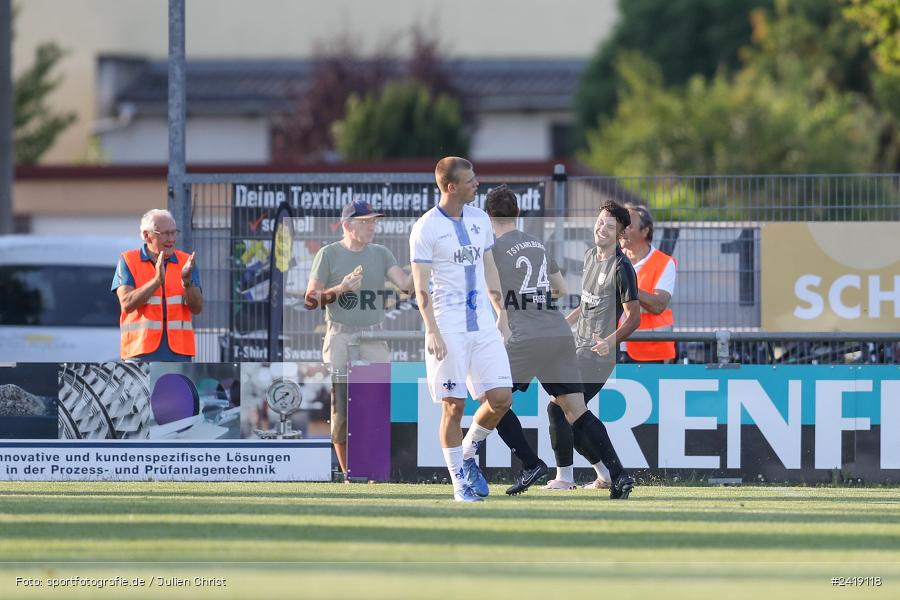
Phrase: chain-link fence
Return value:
(710, 225)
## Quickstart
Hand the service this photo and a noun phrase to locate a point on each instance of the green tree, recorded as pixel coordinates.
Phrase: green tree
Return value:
(304, 134)
(338, 71)
(810, 43)
(880, 20)
(748, 124)
(35, 125)
(685, 38)
(808, 98)
(815, 46)
(403, 120)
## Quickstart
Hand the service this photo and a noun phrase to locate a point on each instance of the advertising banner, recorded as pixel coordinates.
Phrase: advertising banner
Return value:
(269, 422)
(165, 421)
(194, 461)
(831, 276)
(756, 423)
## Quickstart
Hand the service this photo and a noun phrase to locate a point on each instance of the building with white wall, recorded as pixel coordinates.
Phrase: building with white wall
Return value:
(284, 30)
(522, 108)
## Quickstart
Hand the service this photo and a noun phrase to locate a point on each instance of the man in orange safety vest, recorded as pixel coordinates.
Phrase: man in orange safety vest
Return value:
(159, 292)
(656, 274)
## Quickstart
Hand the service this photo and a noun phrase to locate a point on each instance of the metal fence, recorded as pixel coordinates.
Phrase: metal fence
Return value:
(724, 347)
(711, 225)
(748, 198)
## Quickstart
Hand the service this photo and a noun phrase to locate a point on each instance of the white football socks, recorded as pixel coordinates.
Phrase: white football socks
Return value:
(454, 459)
(565, 473)
(476, 434)
(602, 472)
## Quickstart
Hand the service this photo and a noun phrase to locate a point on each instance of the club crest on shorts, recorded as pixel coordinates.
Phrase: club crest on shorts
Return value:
(449, 385)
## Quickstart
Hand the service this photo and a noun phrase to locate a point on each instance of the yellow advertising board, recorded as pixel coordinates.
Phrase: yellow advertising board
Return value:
(831, 276)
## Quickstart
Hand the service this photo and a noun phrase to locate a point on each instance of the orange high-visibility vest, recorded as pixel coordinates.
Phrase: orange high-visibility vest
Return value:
(647, 278)
(141, 329)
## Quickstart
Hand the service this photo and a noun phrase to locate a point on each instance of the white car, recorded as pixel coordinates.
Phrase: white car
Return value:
(55, 298)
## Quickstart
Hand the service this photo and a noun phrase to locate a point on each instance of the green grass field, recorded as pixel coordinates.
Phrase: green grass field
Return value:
(412, 541)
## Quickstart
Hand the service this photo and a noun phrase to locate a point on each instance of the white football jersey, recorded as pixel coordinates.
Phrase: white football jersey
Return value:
(455, 249)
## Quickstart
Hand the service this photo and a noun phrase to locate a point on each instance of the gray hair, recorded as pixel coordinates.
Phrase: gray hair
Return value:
(646, 219)
(150, 216)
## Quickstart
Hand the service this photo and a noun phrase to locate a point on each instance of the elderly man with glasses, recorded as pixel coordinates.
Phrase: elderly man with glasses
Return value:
(159, 292)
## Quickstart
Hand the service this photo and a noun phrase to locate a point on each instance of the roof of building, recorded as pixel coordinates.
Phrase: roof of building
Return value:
(266, 86)
(537, 168)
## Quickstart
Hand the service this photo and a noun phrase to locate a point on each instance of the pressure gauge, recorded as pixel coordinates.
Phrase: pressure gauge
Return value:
(283, 396)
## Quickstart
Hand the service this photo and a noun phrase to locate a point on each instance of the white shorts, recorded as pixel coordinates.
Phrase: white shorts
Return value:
(477, 358)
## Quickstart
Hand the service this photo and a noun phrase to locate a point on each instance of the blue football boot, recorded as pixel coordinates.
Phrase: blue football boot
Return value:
(474, 478)
(465, 493)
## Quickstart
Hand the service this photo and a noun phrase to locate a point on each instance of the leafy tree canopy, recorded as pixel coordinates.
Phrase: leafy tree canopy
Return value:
(403, 120)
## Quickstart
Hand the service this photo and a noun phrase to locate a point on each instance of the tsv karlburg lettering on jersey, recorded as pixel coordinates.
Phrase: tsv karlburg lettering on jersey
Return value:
(467, 255)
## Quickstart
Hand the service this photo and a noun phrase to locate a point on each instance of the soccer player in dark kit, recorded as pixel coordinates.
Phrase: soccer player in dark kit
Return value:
(541, 343)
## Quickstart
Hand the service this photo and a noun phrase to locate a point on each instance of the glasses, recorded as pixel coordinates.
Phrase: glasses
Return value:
(167, 234)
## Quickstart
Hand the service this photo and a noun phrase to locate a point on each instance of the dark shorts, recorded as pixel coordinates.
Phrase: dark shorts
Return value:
(593, 372)
(552, 360)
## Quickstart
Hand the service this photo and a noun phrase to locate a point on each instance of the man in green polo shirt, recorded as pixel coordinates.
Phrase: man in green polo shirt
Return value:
(347, 278)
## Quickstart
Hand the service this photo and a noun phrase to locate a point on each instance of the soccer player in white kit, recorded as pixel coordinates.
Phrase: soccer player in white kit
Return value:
(450, 249)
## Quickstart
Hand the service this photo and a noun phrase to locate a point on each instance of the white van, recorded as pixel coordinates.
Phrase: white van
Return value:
(55, 298)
